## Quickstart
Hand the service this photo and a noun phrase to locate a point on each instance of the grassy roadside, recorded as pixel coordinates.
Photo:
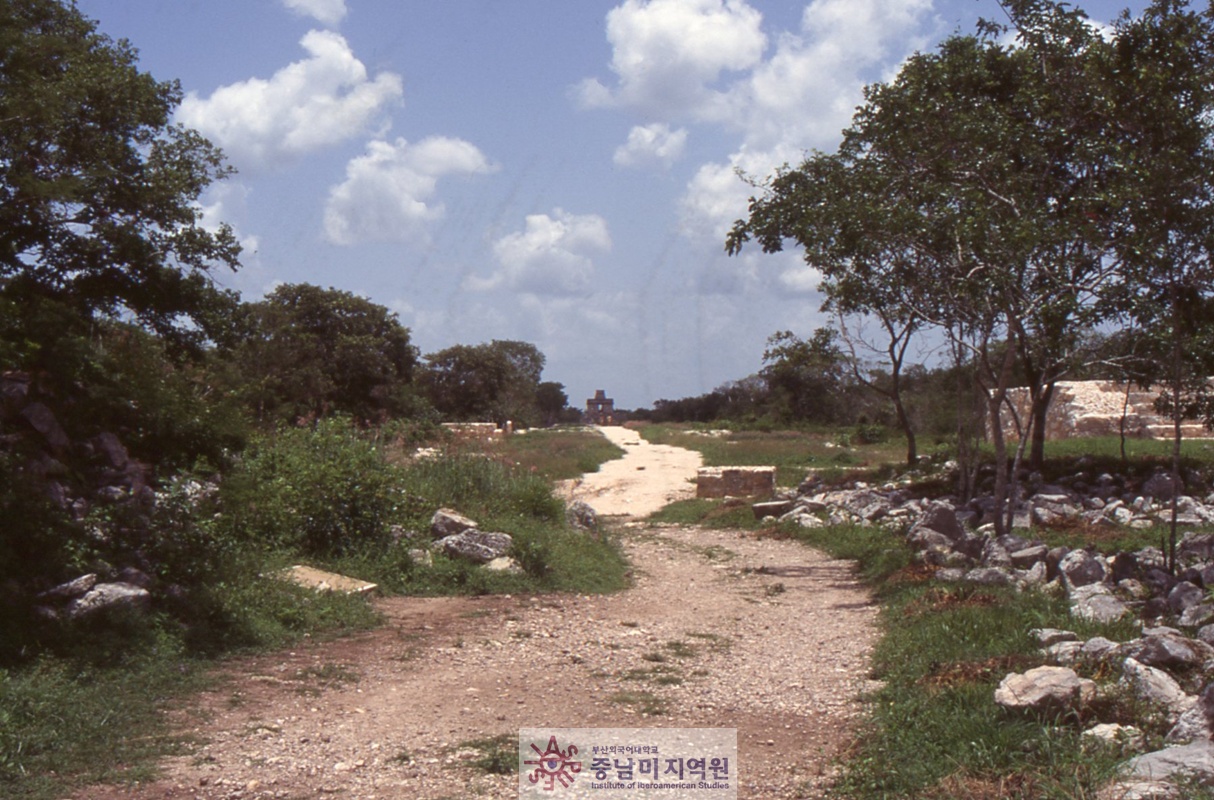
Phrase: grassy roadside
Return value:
(559, 453)
(83, 703)
(933, 730)
(792, 453)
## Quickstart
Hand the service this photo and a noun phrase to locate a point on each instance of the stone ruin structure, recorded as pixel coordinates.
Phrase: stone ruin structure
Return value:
(714, 482)
(600, 409)
(1096, 408)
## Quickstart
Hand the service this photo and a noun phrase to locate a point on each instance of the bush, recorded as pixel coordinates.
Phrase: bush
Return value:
(320, 491)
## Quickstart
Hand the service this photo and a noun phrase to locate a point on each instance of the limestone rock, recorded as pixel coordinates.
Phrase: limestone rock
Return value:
(1196, 724)
(446, 522)
(71, 589)
(1044, 689)
(1195, 760)
(1096, 603)
(1156, 686)
(942, 518)
(1115, 735)
(504, 564)
(1048, 636)
(480, 547)
(1081, 568)
(581, 516)
(1172, 652)
(110, 596)
(1184, 595)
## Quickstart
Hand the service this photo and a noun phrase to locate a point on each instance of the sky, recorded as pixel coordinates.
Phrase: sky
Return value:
(560, 172)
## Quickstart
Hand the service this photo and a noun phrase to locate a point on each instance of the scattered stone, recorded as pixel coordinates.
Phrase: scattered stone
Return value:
(1195, 760)
(580, 515)
(771, 508)
(1048, 636)
(480, 547)
(1081, 568)
(1156, 686)
(1096, 603)
(71, 589)
(1184, 595)
(1044, 689)
(105, 597)
(446, 522)
(504, 564)
(989, 576)
(1112, 734)
(321, 581)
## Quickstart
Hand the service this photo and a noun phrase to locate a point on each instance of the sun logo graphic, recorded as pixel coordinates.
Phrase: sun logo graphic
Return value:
(553, 765)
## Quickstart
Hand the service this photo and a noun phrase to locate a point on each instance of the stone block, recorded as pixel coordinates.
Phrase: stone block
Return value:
(714, 482)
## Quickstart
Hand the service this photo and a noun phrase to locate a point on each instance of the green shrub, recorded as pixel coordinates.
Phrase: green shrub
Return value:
(319, 491)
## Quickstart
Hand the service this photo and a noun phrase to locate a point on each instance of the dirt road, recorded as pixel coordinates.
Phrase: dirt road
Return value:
(648, 477)
(722, 629)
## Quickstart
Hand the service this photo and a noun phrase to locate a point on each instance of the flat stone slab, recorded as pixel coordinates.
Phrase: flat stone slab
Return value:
(321, 581)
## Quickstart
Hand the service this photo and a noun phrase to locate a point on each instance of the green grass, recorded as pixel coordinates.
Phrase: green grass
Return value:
(934, 730)
(67, 715)
(792, 453)
(496, 755)
(60, 718)
(559, 453)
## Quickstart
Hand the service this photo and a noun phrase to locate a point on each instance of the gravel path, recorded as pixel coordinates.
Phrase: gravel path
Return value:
(646, 478)
(722, 629)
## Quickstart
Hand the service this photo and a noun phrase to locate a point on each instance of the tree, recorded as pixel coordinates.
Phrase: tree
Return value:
(981, 168)
(98, 188)
(1161, 123)
(806, 377)
(840, 212)
(495, 381)
(105, 283)
(311, 352)
(550, 401)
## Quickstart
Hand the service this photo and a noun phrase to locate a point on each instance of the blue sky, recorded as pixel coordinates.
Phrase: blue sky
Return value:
(561, 172)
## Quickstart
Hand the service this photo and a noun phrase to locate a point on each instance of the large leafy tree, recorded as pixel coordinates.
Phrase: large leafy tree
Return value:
(494, 382)
(310, 352)
(105, 279)
(98, 187)
(966, 195)
(806, 378)
(1162, 125)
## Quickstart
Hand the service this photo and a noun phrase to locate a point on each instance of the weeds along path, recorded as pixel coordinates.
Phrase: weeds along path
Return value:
(646, 478)
(722, 629)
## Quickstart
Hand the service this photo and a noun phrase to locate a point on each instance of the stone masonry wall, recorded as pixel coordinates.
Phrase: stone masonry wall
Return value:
(715, 482)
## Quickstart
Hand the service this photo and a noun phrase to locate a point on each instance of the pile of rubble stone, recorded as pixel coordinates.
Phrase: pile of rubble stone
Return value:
(1175, 650)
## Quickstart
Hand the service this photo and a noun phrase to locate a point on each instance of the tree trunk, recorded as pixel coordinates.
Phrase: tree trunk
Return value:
(1038, 413)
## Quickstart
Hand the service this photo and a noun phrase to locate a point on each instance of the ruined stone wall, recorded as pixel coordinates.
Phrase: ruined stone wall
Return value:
(1095, 408)
(716, 482)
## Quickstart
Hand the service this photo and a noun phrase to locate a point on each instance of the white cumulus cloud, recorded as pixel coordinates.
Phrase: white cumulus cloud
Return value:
(326, 12)
(388, 191)
(801, 97)
(308, 105)
(552, 255)
(669, 55)
(652, 144)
